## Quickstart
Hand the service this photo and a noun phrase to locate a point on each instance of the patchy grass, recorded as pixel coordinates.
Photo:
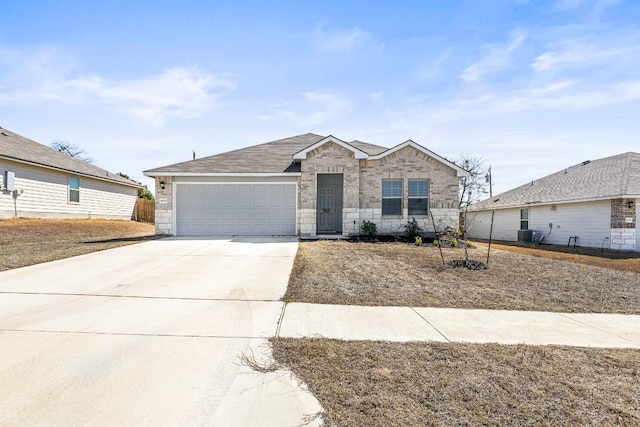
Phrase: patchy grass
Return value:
(423, 384)
(338, 272)
(623, 261)
(32, 241)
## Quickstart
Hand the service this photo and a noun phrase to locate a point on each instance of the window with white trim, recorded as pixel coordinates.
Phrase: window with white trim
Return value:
(524, 219)
(391, 197)
(74, 189)
(418, 201)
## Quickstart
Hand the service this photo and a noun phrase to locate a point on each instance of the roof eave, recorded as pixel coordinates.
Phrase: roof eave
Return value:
(87, 175)
(552, 202)
(213, 174)
(358, 154)
(409, 143)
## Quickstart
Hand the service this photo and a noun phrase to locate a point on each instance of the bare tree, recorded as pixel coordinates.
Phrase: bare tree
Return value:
(473, 187)
(71, 149)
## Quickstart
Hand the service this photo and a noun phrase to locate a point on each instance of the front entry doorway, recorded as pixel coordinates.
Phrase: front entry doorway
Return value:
(329, 204)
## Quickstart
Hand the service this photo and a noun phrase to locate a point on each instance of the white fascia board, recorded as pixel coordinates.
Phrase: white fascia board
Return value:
(251, 174)
(358, 154)
(548, 203)
(68, 171)
(409, 143)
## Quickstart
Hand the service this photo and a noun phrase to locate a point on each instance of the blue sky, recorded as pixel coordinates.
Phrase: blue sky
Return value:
(529, 86)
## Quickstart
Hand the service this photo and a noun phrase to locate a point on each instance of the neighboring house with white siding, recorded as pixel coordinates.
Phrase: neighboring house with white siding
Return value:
(308, 185)
(591, 204)
(39, 182)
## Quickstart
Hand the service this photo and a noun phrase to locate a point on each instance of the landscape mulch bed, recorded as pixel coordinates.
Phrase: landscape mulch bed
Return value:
(32, 241)
(400, 274)
(423, 384)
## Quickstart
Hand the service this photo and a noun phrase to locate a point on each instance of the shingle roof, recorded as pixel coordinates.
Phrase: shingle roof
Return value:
(271, 157)
(16, 147)
(606, 178)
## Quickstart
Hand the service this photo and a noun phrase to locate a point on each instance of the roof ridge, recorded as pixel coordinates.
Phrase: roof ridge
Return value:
(19, 147)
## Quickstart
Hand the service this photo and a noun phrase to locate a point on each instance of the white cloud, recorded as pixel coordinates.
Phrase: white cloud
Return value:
(496, 57)
(176, 93)
(598, 5)
(377, 97)
(340, 40)
(46, 74)
(583, 52)
(320, 106)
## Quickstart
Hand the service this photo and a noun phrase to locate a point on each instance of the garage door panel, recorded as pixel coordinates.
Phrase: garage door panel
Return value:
(235, 209)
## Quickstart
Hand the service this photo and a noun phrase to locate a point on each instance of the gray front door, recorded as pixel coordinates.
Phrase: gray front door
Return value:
(329, 204)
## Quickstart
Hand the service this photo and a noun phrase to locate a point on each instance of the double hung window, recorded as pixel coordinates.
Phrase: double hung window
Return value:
(391, 197)
(418, 197)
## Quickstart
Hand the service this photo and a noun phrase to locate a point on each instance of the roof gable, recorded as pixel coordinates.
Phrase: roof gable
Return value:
(610, 177)
(18, 148)
(357, 153)
(409, 143)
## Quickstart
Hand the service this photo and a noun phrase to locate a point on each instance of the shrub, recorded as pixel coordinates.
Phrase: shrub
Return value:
(368, 229)
(412, 230)
(418, 241)
(454, 242)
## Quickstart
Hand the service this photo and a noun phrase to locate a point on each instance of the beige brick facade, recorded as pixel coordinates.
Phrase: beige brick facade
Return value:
(363, 188)
(361, 176)
(164, 205)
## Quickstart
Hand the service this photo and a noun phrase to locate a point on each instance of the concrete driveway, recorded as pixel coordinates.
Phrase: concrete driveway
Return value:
(149, 334)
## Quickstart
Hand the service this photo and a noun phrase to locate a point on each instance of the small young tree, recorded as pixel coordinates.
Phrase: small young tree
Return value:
(143, 192)
(473, 187)
(71, 149)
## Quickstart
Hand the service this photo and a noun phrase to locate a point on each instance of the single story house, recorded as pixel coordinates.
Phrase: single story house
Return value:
(591, 204)
(307, 185)
(37, 181)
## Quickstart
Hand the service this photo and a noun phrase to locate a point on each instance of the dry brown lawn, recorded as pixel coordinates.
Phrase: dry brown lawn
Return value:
(624, 261)
(339, 272)
(31, 241)
(424, 384)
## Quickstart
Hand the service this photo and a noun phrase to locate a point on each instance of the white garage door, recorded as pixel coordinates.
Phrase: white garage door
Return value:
(235, 209)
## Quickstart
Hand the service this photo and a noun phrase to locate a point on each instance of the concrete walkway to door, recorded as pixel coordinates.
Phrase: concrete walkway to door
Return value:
(149, 334)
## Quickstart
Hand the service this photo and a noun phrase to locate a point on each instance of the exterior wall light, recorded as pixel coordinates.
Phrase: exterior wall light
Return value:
(630, 204)
(162, 184)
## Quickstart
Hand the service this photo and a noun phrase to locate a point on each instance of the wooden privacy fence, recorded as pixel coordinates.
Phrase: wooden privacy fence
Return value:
(145, 211)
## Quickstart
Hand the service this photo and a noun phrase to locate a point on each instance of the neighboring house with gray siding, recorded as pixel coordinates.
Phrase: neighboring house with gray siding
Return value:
(593, 201)
(37, 181)
(307, 185)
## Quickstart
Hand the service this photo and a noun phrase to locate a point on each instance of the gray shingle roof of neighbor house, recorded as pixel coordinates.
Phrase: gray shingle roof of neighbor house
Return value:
(611, 177)
(271, 157)
(19, 148)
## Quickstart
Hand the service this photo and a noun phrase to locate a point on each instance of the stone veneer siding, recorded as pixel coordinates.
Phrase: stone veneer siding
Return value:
(363, 188)
(164, 211)
(623, 233)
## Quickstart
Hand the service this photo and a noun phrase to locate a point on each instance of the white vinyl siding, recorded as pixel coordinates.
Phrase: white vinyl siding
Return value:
(506, 224)
(46, 195)
(590, 221)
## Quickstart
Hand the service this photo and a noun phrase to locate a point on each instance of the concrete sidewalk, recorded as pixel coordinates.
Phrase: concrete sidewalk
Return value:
(459, 325)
